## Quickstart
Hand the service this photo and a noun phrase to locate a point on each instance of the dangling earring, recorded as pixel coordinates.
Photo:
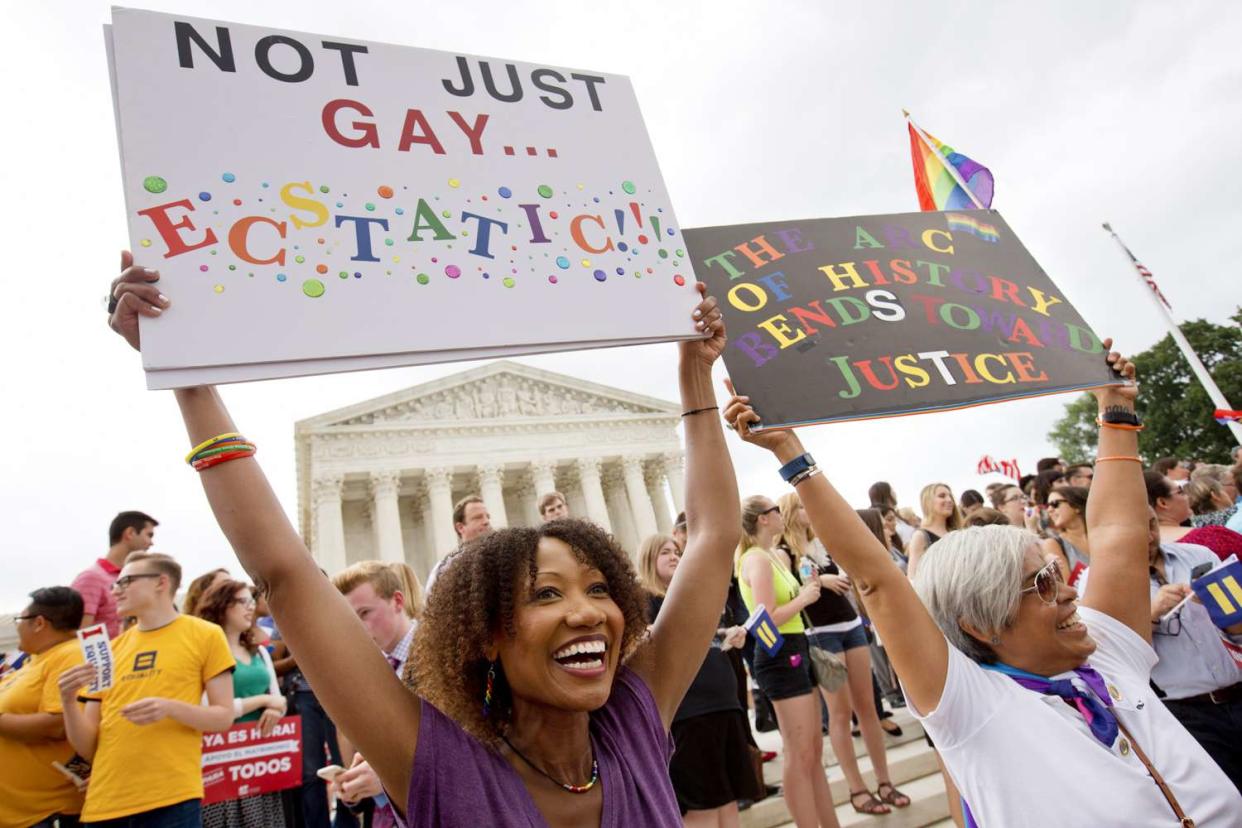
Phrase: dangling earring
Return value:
(487, 690)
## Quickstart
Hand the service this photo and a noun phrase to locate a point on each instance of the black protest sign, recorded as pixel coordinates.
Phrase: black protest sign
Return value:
(877, 316)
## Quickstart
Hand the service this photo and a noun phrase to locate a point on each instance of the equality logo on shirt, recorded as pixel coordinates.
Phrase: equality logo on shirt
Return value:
(145, 661)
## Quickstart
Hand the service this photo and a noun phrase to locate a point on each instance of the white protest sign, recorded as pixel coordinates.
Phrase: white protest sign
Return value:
(97, 650)
(312, 199)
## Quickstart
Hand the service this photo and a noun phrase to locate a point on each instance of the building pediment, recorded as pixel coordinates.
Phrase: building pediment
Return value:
(498, 391)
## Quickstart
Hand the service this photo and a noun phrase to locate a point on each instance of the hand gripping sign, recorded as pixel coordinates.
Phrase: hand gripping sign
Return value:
(97, 650)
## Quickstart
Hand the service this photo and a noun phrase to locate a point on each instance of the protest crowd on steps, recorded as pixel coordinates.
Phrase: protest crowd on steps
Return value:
(1044, 633)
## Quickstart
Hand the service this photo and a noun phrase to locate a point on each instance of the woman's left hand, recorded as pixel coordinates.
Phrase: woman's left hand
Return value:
(1117, 394)
(707, 319)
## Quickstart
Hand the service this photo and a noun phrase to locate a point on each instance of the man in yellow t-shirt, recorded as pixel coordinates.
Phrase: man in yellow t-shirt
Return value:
(32, 732)
(144, 736)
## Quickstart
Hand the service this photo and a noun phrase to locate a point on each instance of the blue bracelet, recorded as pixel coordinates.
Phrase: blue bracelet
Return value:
(796, 466)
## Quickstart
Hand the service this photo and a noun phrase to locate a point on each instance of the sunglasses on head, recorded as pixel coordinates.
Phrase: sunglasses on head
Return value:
(1047, 583)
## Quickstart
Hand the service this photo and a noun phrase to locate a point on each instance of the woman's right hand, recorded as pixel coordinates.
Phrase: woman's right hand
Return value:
(840, 584)
(740, 417)
(136, 295)
(809, 593)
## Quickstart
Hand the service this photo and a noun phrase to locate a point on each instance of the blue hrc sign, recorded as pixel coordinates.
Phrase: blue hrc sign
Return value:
(1221, 592)
(763, 628)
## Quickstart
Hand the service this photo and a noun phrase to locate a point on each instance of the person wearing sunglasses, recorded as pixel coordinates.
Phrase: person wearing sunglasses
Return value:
(32, 732)
(1067, 535)
(144, 736)
(1041, 707)
(1168, 498)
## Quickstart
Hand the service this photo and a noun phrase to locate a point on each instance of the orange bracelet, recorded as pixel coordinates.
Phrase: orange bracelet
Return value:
(1119, 457)
(208, 462)
(1118, 426)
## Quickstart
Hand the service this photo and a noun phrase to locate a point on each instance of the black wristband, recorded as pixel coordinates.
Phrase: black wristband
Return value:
(1119, 415)
(699, 410)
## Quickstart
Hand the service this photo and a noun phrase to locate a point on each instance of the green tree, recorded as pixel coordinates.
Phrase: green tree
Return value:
(1173, 406)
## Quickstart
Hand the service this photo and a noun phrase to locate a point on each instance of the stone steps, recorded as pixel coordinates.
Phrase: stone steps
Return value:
(912, 765)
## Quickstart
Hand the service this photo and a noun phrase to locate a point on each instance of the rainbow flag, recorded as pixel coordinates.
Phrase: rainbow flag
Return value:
(936, 188)
(972, 225)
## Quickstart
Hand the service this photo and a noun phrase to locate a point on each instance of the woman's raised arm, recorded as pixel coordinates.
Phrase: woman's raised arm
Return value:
(683, 630)
(347, 671)
(914, 643)
(1117, 512)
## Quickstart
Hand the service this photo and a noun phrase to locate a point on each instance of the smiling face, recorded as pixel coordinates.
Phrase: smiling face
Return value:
(942, 501)
(666, 562)
(1061, 512)
(567, 634)
(1045, 639)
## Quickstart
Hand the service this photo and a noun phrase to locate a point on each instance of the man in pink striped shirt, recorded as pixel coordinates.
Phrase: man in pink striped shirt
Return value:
(129, 532)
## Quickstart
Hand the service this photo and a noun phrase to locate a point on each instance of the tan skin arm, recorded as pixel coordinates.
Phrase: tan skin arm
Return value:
(918, 545)
(1120, 586)
(757, 571)
(683, 630)
(32, 727)
(914, 643)
(351, 678)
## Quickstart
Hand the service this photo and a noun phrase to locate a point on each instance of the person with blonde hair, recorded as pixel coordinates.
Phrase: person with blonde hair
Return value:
(1041, 705)
(411, 588)
(941, 516)
(711, 766)
(765, 579)
(838, 629)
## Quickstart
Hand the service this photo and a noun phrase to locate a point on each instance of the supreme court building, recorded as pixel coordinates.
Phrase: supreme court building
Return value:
(377, 480)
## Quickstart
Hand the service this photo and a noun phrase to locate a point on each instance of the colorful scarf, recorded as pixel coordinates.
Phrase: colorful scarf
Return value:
(1095, 706)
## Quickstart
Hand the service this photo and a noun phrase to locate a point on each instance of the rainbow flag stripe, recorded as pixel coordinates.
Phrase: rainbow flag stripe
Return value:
(936, 188)
(972, 225)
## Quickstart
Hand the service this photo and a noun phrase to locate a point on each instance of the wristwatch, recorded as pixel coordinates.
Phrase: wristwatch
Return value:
(797, 466)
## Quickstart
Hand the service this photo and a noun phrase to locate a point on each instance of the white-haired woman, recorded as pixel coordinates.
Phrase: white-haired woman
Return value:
(1041, 709)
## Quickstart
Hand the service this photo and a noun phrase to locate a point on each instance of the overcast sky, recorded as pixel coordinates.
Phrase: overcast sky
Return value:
(1110, 111)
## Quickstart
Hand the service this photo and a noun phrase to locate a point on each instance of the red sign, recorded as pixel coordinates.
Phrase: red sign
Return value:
(238, 762)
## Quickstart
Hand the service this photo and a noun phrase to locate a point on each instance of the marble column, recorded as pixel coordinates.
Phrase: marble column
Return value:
(428, 552)
(593, 493)
(640, 501)
(655, 490)
(440, 496)
(385, 516)
(623, 517)
(329, 525)
(529, 494)
(544, 474)
(676, 481)
(491, 489)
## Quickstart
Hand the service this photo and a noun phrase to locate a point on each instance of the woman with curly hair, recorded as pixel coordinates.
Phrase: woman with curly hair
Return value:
(256, 697)
(540, 697)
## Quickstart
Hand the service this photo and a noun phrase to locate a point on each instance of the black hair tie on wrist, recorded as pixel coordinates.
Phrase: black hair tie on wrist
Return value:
(699, 410)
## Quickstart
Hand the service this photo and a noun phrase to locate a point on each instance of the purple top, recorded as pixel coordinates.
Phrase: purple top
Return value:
(458, 781)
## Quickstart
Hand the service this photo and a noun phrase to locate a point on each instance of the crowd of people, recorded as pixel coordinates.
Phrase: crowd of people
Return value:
(1043, 633)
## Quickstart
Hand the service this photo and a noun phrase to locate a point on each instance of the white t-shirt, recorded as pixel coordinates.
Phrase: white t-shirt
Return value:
(1022, 758)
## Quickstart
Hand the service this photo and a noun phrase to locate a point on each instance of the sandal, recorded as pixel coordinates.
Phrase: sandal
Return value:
(894, 797)
(871, 806)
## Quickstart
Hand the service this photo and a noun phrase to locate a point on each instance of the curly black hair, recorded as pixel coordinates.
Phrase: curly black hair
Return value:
(476, 595)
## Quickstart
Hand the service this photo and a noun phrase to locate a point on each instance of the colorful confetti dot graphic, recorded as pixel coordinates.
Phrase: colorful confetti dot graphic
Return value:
(679, 280)
(628, 186)
(452, 271)
(228, 178)
(313, 288)
(204, 196)
(509, 281)
(505, 192)
(545, 191)
(423, 278)
(384, 191)
(454, 183)
(600, 275)
(154, 184)
(562, 262)
(218, 288)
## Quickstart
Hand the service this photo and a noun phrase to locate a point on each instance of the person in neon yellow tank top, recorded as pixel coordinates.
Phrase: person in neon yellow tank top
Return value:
(764, 577)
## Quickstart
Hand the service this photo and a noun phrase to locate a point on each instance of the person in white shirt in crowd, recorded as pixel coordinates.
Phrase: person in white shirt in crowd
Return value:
(552, 506)
(1041, 707)
(377, 593)
(1196, 673)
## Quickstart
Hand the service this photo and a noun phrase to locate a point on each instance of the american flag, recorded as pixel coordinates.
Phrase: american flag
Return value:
(1143, 272)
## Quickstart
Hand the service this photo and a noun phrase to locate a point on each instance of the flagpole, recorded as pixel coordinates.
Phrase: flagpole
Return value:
(1196, 365)
(957, 177)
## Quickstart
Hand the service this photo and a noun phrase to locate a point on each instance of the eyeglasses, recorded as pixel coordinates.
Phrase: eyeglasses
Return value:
(1047, 583)
(1021, 498)
(17, 618)
(1171, 627)
(245, 602)
(124, 581)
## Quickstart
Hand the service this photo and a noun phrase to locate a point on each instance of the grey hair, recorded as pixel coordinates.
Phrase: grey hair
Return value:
(974, 576)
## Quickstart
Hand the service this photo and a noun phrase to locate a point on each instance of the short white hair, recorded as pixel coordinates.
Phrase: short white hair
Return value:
(974, 576)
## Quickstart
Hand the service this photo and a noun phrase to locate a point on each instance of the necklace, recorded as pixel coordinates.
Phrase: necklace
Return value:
(574, 789)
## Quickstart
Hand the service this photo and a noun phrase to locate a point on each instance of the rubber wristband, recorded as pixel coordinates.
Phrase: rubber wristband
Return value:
(203, 465)
(219, 438)
(221, 448)
(796, 466)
